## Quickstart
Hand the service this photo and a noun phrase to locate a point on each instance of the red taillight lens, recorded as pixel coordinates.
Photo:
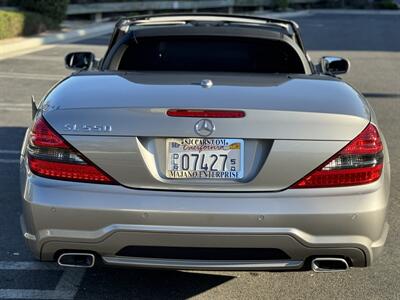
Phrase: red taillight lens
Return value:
(360, 162)
(49, 155)
(43, 136)
(367, 142)
(197, 113)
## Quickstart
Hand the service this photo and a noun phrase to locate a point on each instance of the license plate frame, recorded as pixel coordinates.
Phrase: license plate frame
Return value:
(180, 167)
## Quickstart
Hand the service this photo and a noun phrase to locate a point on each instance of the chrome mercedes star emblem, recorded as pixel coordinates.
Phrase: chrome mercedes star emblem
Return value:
(206, 83)
(204, 127)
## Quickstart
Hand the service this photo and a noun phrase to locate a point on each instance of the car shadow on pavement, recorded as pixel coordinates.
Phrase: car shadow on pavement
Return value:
(11, 240)
(11, 138)
(146, 284)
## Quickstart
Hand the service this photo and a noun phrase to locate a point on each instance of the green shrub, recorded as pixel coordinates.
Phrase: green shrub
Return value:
(280, 4)
(386, 5)
(11, 24)
(16, 23)
(52, 9)
(359, 4)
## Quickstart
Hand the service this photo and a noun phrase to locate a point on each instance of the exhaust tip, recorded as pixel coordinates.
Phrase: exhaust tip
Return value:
(329, 264)
(76, 260)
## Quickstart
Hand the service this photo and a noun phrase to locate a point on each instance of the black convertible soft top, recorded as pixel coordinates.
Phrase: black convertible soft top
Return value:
(204, 24)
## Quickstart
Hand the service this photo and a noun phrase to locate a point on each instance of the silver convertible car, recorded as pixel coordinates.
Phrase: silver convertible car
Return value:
(205, 141)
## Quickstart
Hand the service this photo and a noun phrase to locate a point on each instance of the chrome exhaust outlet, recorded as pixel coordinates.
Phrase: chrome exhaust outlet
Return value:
(329, 264)
(76, 260)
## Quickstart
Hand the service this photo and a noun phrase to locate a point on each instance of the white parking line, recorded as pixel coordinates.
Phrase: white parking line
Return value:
(28, 294)
(56, 58)
(28, 265)
(48, 77)
(9, 161)
(15, 104)
(10, 106)
(23, 52)
(10, 151)
(15, 108)
(66, 288)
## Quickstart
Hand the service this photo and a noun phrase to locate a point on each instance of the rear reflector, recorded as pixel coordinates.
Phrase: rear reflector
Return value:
(189, 113)
(360, 162)
(49, 155)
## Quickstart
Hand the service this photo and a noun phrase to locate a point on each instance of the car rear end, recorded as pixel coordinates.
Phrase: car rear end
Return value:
(262, 178)
(205, 142)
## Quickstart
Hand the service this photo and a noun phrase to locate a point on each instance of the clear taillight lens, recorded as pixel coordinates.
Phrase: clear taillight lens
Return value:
(49, 155)
(360, 162)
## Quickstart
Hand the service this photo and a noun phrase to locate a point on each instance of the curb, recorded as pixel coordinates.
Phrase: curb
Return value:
(376, 12)
(310, 12)
(30, 44)
(282, 15)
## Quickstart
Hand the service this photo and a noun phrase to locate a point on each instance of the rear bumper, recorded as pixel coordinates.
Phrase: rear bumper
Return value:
(343, 222)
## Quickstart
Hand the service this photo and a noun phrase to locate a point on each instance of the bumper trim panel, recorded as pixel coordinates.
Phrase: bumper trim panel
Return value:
(184, 264)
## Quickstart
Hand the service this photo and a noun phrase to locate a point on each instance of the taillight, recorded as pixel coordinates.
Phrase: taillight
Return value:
(360, 162)
(49, 155)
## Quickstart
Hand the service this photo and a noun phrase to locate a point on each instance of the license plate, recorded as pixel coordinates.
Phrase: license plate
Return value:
(204, 158)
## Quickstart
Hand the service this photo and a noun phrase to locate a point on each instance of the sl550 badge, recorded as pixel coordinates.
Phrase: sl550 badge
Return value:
(87, 128)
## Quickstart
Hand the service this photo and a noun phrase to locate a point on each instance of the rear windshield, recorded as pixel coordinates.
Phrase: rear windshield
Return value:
(211, 54)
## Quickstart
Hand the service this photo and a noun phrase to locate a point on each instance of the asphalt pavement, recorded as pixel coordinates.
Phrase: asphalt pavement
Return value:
(372, 43)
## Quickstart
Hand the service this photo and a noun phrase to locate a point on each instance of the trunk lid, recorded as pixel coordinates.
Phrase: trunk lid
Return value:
(292, 123)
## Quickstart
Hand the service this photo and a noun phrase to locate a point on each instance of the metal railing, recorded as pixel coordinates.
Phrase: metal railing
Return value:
(152, 6)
